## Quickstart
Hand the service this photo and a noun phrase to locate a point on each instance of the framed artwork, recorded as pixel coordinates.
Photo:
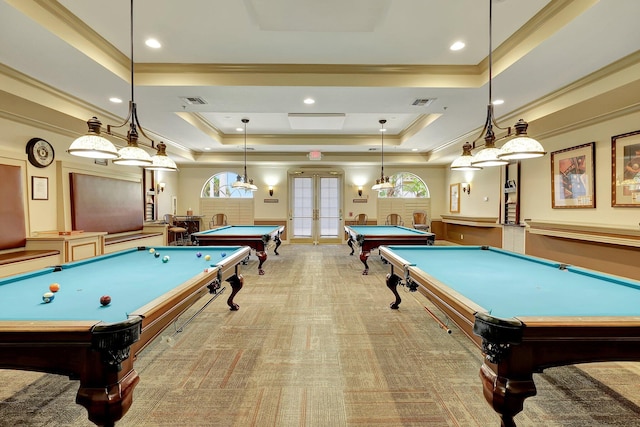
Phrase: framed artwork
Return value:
(39, 188)
(573, 177)
(625, 169)
(454, 198)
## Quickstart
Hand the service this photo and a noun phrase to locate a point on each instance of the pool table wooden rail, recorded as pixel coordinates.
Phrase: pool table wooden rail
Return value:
(101, 355)
(514, 349)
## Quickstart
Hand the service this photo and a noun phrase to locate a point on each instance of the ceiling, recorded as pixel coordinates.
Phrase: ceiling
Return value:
(361, 60)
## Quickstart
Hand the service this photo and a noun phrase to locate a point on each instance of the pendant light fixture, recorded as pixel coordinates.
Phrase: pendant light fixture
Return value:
(132, 155)
(244, 181)
(463, 163)
(162, 162)
(520, 147)
(92, 144)
(382, 183)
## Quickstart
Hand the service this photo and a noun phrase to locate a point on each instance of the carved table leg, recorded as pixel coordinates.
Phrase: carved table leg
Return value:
(278, 243)
(350, 243)
(236, 281)
(363, 257)
(506, 396)
(262, 257)
(392, 284)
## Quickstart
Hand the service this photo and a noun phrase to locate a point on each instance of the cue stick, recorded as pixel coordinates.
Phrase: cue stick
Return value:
(432, 314)
(181, 328)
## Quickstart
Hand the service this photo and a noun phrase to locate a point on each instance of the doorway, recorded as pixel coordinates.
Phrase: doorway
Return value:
(315, 213)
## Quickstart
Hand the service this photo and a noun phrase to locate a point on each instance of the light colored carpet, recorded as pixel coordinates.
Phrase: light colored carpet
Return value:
(315, 344)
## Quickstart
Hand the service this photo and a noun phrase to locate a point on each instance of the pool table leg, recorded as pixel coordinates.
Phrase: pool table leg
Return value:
(236, 281)
(363, 257)
(350, 243)
(506, 396)
(278, 243)
(392, 283)
(262, 257)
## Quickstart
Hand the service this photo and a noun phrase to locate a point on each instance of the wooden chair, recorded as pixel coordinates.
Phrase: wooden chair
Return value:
(420, 221)
(177, 232)
(360, 219)
(394, 219)
(218, 220)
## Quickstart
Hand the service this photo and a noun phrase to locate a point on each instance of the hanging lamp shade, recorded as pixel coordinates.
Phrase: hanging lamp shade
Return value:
(92, 144)
(463, 163)
(489, 155)
(521, 146)
(132, 155)
(162, 162)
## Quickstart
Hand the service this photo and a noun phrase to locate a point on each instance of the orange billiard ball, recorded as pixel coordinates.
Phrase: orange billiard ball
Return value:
(54, 287)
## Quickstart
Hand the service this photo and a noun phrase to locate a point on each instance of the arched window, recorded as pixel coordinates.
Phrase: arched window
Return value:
(406, 185)
(219, 185)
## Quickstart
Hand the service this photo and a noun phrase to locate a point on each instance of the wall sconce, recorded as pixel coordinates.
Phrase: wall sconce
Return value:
(466, 187)
(160, 187)
(360, 190)
(271, 190)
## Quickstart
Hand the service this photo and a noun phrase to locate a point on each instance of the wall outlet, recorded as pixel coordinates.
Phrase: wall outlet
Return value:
(462, 237)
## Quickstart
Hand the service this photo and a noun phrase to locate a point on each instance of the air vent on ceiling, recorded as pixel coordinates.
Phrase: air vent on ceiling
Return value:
(193, 100)
(422, 102)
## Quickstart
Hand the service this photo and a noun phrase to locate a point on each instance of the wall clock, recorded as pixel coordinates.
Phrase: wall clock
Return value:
(40, 153)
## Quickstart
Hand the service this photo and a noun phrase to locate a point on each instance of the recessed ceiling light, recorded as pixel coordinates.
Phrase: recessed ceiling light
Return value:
(382, 130)
(153, 43)
(239, 129)
(414, 149)
(207, 148)
(457, 45)
(115, 100)
(498, 102)
(309, 101)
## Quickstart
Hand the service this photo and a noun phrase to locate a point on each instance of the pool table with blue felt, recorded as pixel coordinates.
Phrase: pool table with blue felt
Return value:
(257, 237)
(369, 237)
(525, 313)
(75, 335)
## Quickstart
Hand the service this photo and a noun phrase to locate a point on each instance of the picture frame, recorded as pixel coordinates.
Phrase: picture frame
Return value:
(573, 177)
(39, 188)
(625, 169)
(454, 198)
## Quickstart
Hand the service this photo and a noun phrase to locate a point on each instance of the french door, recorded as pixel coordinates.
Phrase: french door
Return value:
(315, 213)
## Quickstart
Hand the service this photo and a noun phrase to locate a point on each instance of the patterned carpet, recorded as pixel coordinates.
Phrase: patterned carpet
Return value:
(315, 344)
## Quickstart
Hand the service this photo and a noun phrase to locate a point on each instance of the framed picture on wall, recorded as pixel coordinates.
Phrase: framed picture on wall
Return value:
(573, 177)
(625, 169)
(39, 188)
(454, 198)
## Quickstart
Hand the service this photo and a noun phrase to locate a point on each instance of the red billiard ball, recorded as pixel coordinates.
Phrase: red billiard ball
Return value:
(105, 300)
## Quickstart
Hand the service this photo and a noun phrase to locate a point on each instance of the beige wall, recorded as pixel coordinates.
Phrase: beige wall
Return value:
(192, 178)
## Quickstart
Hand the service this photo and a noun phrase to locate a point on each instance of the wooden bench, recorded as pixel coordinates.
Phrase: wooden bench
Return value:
(23, 260)
(120, 241)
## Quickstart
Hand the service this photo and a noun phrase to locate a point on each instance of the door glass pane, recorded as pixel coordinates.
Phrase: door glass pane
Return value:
(302, 207)
(329, 208)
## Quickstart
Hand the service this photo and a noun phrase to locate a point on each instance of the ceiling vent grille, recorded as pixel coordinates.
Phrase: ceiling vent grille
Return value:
(422, 102)
(193, 100)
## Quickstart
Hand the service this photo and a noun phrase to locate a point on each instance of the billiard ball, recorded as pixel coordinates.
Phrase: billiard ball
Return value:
(207, 257)
(105, 300)
(47, 297)
(54, 287)
(198, 254)
(223, 254)
(165, 258)
(151, 250)
(157, 255)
